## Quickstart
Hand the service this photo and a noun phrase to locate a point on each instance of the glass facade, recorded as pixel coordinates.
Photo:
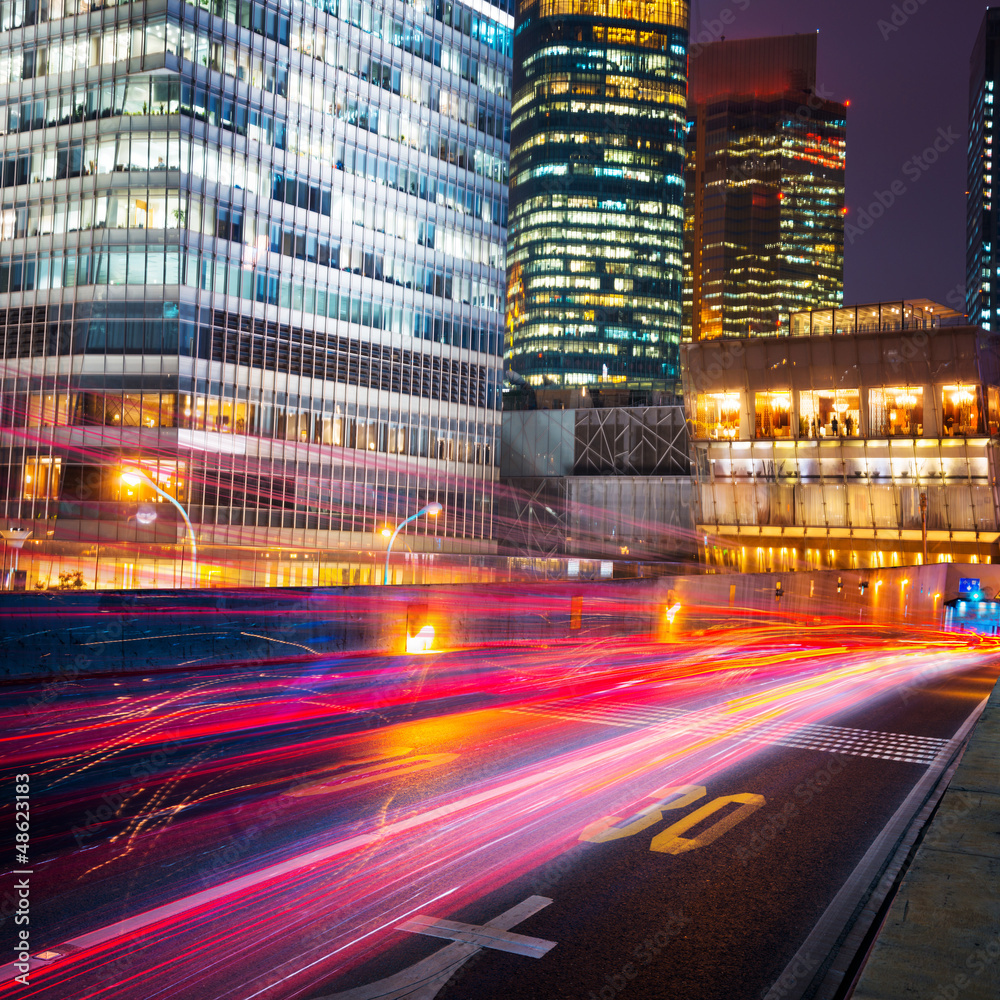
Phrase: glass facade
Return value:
(597, 157)
(597, 482)
(815, 450)
(764, 189)
(258, 251)
(982, 272)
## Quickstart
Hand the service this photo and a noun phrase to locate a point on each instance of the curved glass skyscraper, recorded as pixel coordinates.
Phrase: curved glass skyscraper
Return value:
(597, 191)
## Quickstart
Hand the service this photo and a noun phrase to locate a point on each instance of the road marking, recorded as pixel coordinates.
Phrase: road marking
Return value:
(485, 937)
(670, 840)
(424, 980)
(389, 764)
(898, 747)
(604, 830)
(188, 904)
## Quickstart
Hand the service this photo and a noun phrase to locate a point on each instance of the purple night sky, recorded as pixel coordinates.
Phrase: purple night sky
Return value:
(904, 85)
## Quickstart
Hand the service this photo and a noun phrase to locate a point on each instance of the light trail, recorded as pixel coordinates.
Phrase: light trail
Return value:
(355, 866)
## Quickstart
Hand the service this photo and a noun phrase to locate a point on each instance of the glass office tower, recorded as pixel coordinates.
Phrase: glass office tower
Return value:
(257, 252)
(597, 159)
(764, 199)
(982, 273)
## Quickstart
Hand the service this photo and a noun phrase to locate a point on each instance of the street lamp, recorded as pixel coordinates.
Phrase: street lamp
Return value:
(432, 510)
(132, 477)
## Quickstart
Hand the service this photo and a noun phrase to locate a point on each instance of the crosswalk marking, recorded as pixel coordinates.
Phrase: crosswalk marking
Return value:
(898, 747)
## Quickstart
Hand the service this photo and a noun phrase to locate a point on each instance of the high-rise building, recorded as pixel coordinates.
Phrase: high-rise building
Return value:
(597, 159)
(255, 252)
(982, 271)
(764, 188)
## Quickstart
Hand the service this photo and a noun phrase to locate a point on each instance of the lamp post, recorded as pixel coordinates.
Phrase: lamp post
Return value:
(133, 477)
(923, 522)
(432, 510)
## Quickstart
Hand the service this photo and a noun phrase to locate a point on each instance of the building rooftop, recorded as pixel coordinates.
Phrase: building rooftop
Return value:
(752, 66)
(905, 314)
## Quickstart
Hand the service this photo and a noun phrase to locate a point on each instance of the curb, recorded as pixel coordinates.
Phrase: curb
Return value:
(941, 937)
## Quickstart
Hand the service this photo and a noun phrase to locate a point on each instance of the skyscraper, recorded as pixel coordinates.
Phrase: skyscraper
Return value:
(764, 188)
(255, 252)
(982, 275)
(597, 157)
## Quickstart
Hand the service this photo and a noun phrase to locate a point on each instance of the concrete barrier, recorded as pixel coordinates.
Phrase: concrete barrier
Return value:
(68, 635)
(941, 937)
(54, 634)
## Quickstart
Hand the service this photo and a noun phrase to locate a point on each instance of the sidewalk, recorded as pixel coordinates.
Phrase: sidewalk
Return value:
(941, 937)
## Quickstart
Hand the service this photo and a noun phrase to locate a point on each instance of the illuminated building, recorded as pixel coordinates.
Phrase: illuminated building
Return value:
(255, 250)
(764, 188)
(982, 277)
(823, 450)
(597, 157)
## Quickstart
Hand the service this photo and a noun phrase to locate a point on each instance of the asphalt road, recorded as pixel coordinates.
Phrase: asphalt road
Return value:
(569, 821)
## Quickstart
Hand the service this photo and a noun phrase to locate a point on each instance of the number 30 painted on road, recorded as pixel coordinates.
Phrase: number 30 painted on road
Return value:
(670, 840)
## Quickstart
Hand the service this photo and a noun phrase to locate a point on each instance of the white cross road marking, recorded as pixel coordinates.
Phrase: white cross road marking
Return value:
(485, 937)
(424, 980)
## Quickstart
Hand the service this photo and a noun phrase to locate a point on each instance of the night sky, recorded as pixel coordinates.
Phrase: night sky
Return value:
(904, 85)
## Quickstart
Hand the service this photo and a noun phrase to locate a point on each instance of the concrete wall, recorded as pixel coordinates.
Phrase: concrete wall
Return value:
(59, 634)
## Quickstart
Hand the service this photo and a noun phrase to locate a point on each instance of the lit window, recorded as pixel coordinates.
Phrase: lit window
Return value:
(993, 398)
(773, 415)
(718, 415)
(41, 478)
(896, 411)
(961, 411)
(830, 413)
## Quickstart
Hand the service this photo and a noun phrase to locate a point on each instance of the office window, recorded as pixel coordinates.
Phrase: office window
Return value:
(168, 476)
(41, 478)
